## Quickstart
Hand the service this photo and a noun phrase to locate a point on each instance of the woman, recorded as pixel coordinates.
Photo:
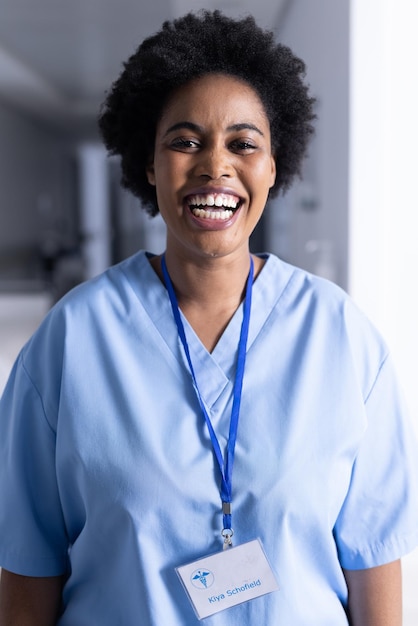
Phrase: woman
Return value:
(207, 397)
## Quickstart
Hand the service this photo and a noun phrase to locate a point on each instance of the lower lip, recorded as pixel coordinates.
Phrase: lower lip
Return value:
(205, 223)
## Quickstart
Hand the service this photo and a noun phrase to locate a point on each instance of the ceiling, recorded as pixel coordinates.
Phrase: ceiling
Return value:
(58, 57)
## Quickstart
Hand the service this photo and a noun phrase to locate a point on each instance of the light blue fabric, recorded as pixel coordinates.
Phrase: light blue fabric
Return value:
(107, 472)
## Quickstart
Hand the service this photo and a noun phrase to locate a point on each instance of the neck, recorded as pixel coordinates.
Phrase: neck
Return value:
(209, 291)
(208, 281)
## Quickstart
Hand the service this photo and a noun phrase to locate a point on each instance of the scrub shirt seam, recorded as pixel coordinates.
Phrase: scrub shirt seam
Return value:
(152, 320)
(38, 393)
(13, 554)
(291, 278)
(373, 385)
(394, 542)
(273, 308)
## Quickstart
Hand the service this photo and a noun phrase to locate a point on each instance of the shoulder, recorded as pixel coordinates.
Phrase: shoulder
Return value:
(327, 317)
(87, 308)
(103, 293)
(113, 285)
(300, 288)
(317, 297)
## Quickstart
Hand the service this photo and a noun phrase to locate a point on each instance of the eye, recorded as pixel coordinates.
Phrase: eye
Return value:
(184, 144)
(243, 145)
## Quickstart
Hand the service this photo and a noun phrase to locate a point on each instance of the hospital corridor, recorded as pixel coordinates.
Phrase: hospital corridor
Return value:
(350, 217)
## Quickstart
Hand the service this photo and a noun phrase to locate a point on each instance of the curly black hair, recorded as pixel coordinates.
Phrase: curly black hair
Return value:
(187, 48)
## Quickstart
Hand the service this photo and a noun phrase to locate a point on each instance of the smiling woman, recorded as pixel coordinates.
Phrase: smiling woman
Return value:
(216, 157)
(184, 402)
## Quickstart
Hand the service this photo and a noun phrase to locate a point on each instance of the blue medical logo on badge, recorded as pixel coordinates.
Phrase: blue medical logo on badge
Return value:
(202, 578)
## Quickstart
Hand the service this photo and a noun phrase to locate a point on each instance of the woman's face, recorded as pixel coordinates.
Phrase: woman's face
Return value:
(212, 166)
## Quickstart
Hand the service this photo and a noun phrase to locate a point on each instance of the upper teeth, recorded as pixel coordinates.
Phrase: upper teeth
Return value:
(217, 200)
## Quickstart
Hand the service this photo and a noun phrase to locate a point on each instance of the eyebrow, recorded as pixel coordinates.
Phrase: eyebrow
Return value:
(199, 129)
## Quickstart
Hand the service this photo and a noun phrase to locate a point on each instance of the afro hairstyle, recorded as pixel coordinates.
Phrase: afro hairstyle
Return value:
(184, 49)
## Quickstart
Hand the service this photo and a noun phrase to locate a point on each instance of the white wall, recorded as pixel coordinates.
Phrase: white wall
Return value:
(383, 179)
(383, 204)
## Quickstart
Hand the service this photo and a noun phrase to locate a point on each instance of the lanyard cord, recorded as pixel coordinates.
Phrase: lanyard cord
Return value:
(227, 466)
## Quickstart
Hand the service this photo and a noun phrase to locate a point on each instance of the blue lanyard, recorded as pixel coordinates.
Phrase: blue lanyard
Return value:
(227, 466)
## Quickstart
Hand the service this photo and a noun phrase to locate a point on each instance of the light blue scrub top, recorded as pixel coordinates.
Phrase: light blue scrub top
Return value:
(107, 470)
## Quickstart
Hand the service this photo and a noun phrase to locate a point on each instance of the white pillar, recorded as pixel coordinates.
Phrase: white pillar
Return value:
(94, 208)
(383, 258)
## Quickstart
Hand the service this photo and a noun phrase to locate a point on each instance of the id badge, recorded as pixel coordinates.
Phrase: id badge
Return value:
(225, 579)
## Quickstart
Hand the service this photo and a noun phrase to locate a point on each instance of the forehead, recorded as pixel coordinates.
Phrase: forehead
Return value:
(215, 97)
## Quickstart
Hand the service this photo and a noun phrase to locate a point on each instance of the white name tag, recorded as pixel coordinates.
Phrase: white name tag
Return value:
(230, 577)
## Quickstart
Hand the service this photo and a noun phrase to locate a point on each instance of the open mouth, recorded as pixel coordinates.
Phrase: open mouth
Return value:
(217, 206)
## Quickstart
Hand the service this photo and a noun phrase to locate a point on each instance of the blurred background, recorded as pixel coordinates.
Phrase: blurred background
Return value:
(352, 217)
(63, 215)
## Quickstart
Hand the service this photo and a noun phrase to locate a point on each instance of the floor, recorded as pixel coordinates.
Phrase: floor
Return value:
(20, 314)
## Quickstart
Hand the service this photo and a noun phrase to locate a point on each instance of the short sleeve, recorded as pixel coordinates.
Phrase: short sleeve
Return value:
(378, 522)
(33, 540)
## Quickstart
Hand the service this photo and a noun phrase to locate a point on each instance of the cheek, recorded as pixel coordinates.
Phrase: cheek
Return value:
(169, 172)
(263, 175)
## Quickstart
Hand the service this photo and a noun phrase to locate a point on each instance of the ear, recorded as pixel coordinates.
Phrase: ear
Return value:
(150, 172)
(273, 171)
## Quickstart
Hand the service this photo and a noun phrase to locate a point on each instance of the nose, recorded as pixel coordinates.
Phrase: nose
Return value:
(214, 162)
